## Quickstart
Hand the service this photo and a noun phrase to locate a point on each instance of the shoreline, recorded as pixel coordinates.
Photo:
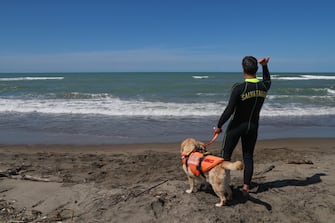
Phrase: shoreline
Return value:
(95, 130)
(158, 147)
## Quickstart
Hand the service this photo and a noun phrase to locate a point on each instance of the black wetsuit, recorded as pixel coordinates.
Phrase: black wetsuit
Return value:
(243, 109)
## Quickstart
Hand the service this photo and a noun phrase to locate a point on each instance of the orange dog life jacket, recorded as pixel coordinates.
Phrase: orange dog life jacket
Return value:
(200, 163)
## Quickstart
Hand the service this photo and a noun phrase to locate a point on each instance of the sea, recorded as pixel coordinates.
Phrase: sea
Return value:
(154, 107)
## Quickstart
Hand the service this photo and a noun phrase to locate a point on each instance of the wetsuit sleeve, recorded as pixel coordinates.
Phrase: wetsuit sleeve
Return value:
(229, 110)
(266, 77)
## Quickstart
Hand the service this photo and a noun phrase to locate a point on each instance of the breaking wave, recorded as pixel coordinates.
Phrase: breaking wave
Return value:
(30, 78)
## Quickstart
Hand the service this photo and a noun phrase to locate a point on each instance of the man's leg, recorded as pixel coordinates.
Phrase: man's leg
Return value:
(248, 146)
(229, 143)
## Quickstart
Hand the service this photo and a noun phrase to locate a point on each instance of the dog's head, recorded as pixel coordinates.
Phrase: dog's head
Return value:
(190, 144)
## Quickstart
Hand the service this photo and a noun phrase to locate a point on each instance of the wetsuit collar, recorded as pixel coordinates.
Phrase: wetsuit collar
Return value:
(252, 80)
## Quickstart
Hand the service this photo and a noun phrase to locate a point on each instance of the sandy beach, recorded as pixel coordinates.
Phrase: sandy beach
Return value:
(145, 183)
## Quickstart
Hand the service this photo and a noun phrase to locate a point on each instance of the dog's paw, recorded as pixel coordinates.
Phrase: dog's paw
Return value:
(189, 191)
(221, 203)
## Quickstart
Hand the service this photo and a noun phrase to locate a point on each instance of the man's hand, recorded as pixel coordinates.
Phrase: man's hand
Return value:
(217, 130)
(264, 61)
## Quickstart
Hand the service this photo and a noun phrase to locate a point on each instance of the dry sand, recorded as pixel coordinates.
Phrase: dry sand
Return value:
(145, 183)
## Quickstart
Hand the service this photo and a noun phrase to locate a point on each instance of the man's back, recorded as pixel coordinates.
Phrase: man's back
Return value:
(246, 100)
(250, 97)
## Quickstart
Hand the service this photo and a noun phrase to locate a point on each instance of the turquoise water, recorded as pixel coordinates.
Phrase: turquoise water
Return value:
(99, 108)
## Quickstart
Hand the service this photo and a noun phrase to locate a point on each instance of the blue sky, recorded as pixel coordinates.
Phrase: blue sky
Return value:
(165, 35)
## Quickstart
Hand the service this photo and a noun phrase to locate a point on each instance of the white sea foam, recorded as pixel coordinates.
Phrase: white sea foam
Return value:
(295, 110)
(304, 77)
(30, 78)
(118, 107)
(108, 106)
(330, 91)
(200, 77)
(206, 94)
(329, 98)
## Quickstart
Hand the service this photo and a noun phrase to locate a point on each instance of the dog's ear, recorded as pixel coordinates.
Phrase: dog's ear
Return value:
(182, 146)
(188, 145)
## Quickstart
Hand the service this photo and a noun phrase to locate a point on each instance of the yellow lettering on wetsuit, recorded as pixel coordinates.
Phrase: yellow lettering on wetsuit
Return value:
(252, 94)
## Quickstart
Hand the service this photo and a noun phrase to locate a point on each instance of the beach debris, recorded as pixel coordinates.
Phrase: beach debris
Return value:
(18, 174)
(5, 190)
(33, 178)
(38, 203)
(150, 188)
(260, 174)
(8, 213)
(59, 214)
(133, 195)
(267, 169)
(36, 213)
(300, 162)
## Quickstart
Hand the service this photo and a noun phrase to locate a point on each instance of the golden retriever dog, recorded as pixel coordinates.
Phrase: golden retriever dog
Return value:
(218, 176)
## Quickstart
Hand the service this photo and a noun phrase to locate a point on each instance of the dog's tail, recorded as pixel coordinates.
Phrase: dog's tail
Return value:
(238, 165)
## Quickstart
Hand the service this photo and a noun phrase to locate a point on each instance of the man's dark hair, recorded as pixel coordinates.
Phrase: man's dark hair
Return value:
(249, 64)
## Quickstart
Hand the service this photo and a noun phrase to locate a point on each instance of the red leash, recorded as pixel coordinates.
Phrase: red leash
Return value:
(216, 134)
